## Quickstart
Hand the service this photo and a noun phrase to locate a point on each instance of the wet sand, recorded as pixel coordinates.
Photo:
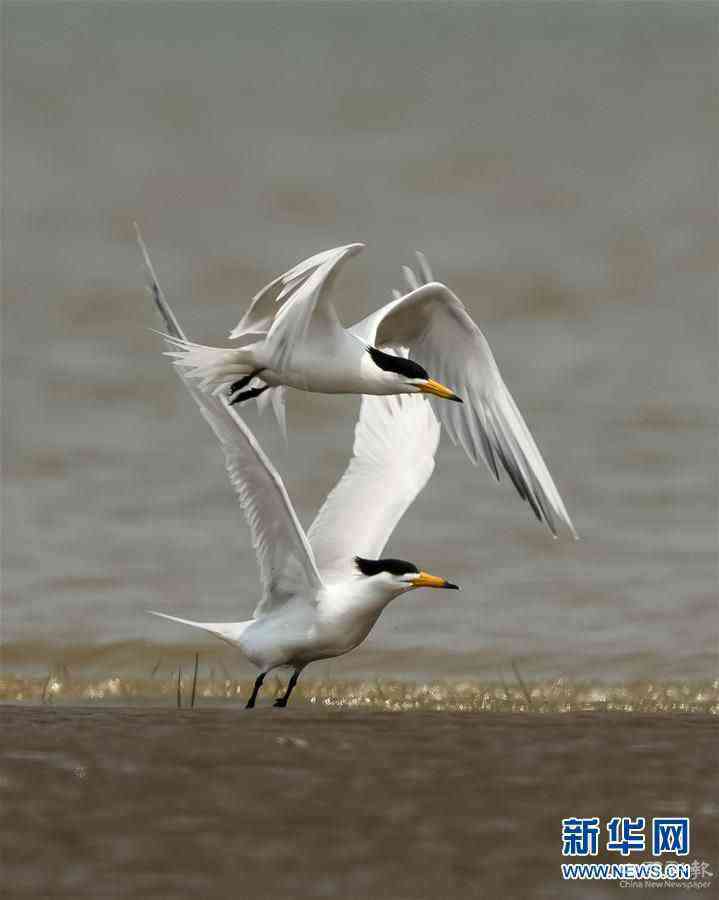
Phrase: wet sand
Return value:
(316, 802)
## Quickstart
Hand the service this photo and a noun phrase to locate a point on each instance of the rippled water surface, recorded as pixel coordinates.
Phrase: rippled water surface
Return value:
(556, 162)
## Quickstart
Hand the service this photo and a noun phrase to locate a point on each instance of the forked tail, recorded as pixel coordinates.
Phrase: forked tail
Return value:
(213, 367)
(226, 631)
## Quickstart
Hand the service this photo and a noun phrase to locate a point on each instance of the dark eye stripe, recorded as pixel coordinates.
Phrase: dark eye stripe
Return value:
(393, 566)
(398, 364)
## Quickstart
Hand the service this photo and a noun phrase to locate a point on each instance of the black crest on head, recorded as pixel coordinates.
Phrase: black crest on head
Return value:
(399, 364)
(393, 566)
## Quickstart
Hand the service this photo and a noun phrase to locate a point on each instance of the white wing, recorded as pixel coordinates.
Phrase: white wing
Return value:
(396, 438)
(263, 308)
(287, 565)
(303, 294)
(433, 324)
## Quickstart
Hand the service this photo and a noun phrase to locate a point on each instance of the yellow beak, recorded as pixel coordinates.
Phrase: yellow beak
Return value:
(431, 386)
(424, 579)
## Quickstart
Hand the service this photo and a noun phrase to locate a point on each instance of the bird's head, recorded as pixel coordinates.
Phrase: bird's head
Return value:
(398, 575)
(406, 376)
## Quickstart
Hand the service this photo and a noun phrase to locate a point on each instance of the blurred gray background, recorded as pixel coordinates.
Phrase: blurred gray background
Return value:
(556, 162)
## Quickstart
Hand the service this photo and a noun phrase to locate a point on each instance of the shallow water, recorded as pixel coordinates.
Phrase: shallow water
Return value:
(184, 687)
(315, 802)
(555, 162)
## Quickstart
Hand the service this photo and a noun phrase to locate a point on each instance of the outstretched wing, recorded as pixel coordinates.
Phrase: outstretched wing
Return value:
(287, 565)
(308, 305)
(285, 308)
(395, 442)
(433, 324)
(282, 290)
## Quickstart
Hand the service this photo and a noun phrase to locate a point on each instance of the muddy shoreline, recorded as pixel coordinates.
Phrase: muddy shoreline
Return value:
(313, 802)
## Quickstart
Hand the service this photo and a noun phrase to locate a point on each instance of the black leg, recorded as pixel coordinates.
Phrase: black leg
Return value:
(248, 395)
(256, 690)
(243, 382)
(282, 701)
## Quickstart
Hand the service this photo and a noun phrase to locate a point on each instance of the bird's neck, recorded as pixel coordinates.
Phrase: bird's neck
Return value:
(367, 598)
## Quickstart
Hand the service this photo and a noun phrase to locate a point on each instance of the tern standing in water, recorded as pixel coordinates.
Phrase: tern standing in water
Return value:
(291, 336)
(323, 591)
